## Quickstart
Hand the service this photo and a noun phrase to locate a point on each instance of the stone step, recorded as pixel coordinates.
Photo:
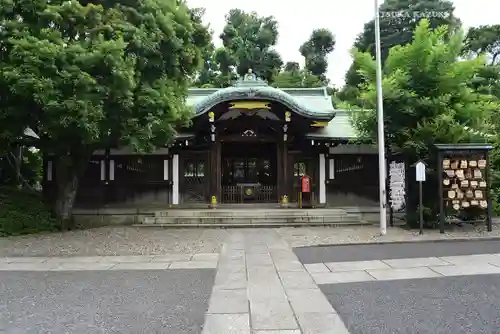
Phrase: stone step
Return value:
(255, 224)
(237, 220)
(256, 213)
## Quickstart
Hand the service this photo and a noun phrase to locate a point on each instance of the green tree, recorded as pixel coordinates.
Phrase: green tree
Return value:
(484, 40)
(398, 20)
(249, 40)
(95, 74)
(291, 66)
(426, 96)
(300, 78)
(315, 51)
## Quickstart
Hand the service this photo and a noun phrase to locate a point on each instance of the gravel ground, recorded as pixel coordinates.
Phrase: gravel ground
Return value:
(311, 236)
(115, 241)
(152, 241)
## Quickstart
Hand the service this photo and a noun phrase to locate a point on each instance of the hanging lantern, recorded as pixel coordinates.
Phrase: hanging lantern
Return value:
(211, 116)
(288, 116)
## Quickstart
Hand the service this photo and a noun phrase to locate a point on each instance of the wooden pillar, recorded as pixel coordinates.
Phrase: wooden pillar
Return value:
(286, 185)
(279, 169)
(215, 170)
(106, 166)
(175, 179)
(283, 185)
(219, 170)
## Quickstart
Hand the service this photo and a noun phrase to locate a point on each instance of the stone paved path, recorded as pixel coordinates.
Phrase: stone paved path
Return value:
(409, 268)
(132, 262)
(261, 287)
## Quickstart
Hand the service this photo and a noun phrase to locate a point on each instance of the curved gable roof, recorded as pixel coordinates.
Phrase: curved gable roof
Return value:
(310, 103)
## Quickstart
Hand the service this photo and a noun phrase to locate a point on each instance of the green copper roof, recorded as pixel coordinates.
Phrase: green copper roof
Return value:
(309, 102)
(340, 127)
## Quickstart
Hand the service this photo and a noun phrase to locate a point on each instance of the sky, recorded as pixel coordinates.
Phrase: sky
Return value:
(345, 18)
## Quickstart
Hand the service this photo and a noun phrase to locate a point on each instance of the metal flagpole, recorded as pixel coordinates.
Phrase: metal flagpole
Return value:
(380, 122)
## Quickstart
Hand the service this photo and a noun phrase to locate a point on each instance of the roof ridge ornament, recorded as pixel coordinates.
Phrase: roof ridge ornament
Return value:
(250, 80)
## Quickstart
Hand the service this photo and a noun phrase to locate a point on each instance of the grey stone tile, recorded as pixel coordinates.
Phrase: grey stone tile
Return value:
(27, 266)
(259, 260)
(316, 268)
(193, 265)
(283, 265)
(476, 269)
(309, 300)
(356, 265)
(342, 277)
(230, 280)
(272, 314)
(402, 273)
(75, 259)
(131, 258)
(321, 323)
(257, 250)
(263, 278)
(297, 280)
(141, 266)
(416, 262)
(283, 255)
(205, 257)
(262, 292)
(227, 324)
(230, 263)
(470, 259)
(228, 301)
(171, 258)
(258, 271)
(83, 266)
(286, 331)
(24, 259)
(233, 254)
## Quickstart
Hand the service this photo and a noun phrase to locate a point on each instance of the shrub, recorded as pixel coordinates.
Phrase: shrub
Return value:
(24, 212)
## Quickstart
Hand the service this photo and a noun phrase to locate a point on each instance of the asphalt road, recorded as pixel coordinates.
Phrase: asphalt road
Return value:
(452, 305)
(166, 302)
(388, 251)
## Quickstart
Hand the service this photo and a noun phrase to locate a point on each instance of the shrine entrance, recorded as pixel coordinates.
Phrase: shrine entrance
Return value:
(249, 172)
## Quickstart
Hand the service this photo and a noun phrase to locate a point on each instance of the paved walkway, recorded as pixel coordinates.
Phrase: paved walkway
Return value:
(82, 263)
(409, 268)
(261, 287)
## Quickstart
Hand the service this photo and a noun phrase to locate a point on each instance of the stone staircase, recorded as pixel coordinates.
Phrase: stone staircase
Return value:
(251, 218)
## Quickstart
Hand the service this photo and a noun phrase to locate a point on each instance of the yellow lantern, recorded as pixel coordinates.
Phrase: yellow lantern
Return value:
(288, 116)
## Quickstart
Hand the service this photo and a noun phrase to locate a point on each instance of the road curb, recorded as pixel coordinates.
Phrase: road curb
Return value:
(383, 242)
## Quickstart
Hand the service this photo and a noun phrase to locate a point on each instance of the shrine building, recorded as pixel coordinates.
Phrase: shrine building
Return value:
(248, 144)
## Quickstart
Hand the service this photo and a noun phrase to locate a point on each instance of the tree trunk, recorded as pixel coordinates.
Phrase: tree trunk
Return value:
(494, 58)
(69, 171)
(18, 163)
(66, 194)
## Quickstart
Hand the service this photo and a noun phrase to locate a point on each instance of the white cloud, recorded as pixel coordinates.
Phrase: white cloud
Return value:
(345, 18)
